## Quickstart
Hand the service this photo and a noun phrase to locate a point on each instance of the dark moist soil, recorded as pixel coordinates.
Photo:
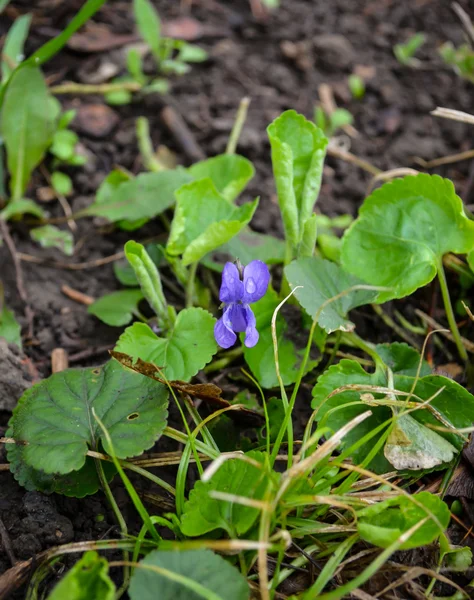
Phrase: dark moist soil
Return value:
(279, 63)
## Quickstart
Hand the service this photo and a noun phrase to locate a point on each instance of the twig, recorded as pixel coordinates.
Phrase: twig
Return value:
(91, 264)
(352, 158)
(59, 360)
(182, 134)
(447, 334)
(465, 20)
(396, 328)
(4, 467)
(455, 115)
(6, 543)
(20, 284)
(390, 174)
(101, 88)
(238, 125)
(445, 160)
(77, 296)
(329, 106)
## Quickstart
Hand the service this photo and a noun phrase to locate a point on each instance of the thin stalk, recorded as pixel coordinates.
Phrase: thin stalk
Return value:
(120, 520)
(190, 285)
(150, 162)
(450, 313)
(238, 125)
(101, 88)
(182, 438)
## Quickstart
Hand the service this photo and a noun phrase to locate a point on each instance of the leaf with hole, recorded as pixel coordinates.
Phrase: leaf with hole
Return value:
(187, 575)
(261, 358)
(89, 578)
(402, 233)
(230, 173)
(383, 523)
(202, 513)
(410, 446)
(118, 308)
(144, 197)
(322, 280)
(26, 125)
(55, 420)
(188, 348)
(204, 220)
(298, 151)
(50, 236)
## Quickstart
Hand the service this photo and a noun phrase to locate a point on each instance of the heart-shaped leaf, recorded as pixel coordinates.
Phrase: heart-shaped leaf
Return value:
(88, 578)
(452, 402)
(322, 280)
(230, 173)
(54, 418)
(261, 359)
(189, 347)
(403, 230)
(143, 197)
(204, 220)
(193, 575)
(203, 513)
(118, 308)
(27, 125)
(298, 151)
(384, 522)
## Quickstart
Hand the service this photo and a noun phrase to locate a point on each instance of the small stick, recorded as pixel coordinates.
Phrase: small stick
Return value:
(4, 467)
(238, 125)
(101, 88)
(447, 334)
(465, 20)
(455, 115)
(59, 360)
(6, 542)
(76, 295)
(352, 158)
(183, 135)
(62, 200)
(20, 284)
(329, 106)
(92, 264)
(445, 160)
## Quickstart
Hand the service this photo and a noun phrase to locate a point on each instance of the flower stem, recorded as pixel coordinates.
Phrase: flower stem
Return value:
(238, 124)
(450, 313)
(190, 285)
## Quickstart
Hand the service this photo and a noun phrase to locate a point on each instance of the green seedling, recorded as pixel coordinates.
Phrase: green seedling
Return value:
(461, 59)
(333, 121)
(356, 86)
(405, 53)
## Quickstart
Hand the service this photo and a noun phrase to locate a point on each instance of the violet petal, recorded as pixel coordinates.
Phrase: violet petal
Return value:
(223, 333)
(237, 317)
(231, 287)
(256, 280)
(251, 333)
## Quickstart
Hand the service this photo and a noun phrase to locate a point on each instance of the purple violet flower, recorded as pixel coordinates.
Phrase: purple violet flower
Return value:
(236, 296)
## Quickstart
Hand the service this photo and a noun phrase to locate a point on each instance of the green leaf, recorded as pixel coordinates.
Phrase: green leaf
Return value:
(54, 417)
(12, 52)
(384, 522)
(250, 245)
(453, 403)
(88, 579)
(64, 144)
(309, 236)
(26, 125)
(230, 173)
(192, 53)
(187, 575)
(203, 513)
(148, 277)
(118, 308)
(189, 347)
(322, 280)
(61, 183)
(404, 53)
(261, 358)
(143, 197)
(10, 329)
(403, 230)
(124, 271)
(298, 151)
(204, 220)
(470, 260)
(149, 25)
(18, 208)
(49, 236)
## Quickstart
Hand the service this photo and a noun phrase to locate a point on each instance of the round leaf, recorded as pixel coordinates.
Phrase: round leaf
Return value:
(55, 420)
(403, 230)
(116, 309)
(189, 575)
